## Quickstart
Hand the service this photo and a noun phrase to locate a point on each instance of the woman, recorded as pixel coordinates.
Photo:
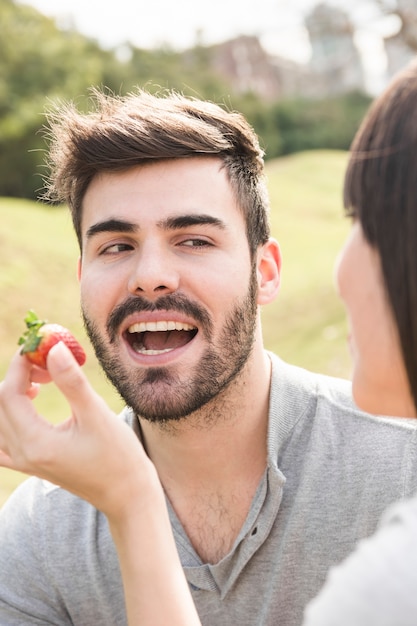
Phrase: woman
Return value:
(377, 280)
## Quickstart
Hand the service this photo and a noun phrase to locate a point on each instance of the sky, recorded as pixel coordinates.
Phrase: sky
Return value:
(178, 23)
(149, 23)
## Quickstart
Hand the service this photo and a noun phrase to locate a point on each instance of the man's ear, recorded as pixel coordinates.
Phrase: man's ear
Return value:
(268, 271)
(79, 269)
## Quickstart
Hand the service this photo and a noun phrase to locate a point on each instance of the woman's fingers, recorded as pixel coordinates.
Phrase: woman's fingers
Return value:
(18, 377)
(69, 453)
(16, 392)
(19, 421)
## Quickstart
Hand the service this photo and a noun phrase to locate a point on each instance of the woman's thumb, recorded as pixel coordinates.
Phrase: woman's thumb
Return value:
(68, 377)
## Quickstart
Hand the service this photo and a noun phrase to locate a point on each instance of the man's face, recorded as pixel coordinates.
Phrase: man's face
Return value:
(168, 289)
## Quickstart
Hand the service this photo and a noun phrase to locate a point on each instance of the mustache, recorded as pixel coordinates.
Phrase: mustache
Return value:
(170, 302)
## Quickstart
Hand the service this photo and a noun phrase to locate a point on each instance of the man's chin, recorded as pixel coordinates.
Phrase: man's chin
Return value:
(159, 376)
(159, 400)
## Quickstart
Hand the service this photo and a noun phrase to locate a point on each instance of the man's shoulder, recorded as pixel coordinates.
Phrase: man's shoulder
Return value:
(305, 393)
(45, 504)
(39, 505)
(292, 379)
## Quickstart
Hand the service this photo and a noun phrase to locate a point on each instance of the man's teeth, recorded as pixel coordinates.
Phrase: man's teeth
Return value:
(152, 352)
(152, 327)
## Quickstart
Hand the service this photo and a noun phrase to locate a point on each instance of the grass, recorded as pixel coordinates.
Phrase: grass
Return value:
(305, 325)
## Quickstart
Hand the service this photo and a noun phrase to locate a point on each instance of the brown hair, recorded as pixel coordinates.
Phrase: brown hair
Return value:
(122, 132)
(381, 192)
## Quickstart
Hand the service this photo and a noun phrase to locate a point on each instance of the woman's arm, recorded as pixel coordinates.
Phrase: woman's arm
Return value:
(377, 583)
(98, 457)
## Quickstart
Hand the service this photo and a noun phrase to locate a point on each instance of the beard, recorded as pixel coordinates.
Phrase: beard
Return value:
(159, 394)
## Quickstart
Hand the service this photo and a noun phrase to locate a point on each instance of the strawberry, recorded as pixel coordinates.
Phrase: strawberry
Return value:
(40, 336)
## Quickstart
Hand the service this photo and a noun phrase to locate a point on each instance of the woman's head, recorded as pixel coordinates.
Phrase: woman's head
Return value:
(380, 193)
(379, 379)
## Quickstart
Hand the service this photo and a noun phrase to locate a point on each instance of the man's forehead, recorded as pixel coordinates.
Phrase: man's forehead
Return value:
(209, 164)
(181, 189)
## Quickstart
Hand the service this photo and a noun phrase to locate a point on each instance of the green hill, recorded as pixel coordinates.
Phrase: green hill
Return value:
(305, 325)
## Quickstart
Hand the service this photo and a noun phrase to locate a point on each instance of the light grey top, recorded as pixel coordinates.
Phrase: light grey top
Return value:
(331, 472)
(377, 584)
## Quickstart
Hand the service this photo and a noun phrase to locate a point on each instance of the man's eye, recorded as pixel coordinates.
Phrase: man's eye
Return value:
(196, 243)
(116, 248)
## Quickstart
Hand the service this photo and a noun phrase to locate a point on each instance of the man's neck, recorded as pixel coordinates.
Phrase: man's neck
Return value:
(210, 464)
(233, 421)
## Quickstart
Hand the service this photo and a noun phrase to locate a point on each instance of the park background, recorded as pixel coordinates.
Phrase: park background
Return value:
(306, 107)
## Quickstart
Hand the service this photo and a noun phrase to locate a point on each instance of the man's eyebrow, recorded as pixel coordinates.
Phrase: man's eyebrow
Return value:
(111, 226)
(192, 219)
(114, 225)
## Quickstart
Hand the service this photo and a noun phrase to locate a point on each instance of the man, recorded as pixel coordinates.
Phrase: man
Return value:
(270, 473)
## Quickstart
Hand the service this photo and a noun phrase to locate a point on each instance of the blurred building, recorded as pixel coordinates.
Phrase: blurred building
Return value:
(402, 47)
(335, 66)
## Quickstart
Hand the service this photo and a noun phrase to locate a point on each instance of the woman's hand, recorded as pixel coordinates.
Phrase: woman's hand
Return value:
(98, 457)
(93, 453)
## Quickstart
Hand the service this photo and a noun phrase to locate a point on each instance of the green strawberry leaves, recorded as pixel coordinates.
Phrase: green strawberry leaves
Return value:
(30, 339)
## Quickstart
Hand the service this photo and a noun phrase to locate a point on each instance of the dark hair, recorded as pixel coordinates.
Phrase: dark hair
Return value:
(122, 132)
(381, 192)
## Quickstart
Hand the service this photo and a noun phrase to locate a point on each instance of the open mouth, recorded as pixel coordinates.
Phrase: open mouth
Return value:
(152, 338)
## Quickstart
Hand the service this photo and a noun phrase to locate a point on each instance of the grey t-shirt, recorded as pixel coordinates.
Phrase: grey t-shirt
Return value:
(331, 472)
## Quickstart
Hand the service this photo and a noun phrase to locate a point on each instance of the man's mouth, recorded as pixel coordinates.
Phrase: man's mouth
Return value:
(151, 338)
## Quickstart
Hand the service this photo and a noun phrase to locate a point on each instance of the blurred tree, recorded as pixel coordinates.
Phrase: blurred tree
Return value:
(41, 64)
(315, 124)
(38, 64)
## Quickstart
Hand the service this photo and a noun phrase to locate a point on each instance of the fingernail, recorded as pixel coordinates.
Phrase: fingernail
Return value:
(60, 357)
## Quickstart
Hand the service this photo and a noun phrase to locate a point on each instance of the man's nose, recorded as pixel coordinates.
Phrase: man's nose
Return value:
(153, 273)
